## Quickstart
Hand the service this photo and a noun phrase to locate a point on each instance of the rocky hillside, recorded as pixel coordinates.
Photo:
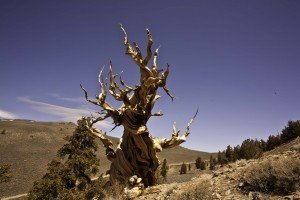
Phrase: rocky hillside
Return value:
(29, 146)
(276, 175)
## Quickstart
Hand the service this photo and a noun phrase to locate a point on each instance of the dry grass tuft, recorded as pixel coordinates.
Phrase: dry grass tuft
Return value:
(276, 175)
(114, 192)
(200, 191)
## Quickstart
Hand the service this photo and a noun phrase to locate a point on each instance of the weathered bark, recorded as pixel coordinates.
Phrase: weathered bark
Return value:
(136, 153)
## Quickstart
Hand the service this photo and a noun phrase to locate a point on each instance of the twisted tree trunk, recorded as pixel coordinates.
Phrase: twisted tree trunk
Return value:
(136, 153)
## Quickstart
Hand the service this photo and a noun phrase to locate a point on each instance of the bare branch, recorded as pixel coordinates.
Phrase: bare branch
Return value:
(187, 131)
(136, 56)
(124, 84)
(154, 66)
(87, 98)
(168, 93)
(113, 85)
(150, 81)
(137, 49)
(102, 95)
(101, 100)
(175, 131)
(123, 94)
(110, 153)
(116, 125)
(176, 139)
(157, 114)
(149, 47)
(163, 82)
(129, 49)
(101, 118)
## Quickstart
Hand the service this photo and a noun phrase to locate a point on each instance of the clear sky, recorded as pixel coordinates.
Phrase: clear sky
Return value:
(238, 61)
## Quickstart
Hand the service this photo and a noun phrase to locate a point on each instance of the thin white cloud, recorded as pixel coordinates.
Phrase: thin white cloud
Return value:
(7, 115)
(68, 99)
(63, 113)
(73, 100)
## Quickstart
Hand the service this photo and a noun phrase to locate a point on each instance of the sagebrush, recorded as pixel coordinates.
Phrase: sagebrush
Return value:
(279, 175)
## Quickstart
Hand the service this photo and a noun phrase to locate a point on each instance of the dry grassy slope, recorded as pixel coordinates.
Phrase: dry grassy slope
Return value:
(226, 183)
(28, 146)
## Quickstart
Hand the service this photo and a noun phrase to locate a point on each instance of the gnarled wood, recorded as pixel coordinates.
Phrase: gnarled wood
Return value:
(136, 153)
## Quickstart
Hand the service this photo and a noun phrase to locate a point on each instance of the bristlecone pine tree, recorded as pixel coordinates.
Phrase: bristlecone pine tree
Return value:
(198, 162)
(164, 170)
(202, 165)
(70, 177)
(183, 168)
(136, 153)
(211, 163)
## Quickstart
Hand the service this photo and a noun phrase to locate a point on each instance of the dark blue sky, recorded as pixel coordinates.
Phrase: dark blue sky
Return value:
(237, 60)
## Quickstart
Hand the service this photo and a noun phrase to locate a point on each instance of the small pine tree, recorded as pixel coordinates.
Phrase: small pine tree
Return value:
(183, 169)
(273, 141)
(4, 173)
(291, 131)
(236, 153)
(70, 177)
(164, 170)
(251, 149)
(222, 160)
(211, 163)
(202, 165)
(263, 145)
(215, 161)
(198, 162)
(220, 157)
(229, 154)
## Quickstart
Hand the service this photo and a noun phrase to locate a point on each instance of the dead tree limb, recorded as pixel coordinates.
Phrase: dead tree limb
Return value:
(136, 153)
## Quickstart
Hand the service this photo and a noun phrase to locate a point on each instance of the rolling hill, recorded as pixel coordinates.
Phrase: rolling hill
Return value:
(29, 145)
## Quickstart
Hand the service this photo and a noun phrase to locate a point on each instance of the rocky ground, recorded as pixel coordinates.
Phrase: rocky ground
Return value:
(226, 183)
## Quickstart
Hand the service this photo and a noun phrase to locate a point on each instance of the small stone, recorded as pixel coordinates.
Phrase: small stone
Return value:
(296, 197)
(241, 184)
(139, 180)
(132, 181)
(132, 193)
(215, 174)
(289, 197)
(141, 186)
(218, 195)
(255, 196)
(227, 192)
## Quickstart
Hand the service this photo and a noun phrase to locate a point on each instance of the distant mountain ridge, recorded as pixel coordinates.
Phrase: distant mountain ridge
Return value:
(29, 145)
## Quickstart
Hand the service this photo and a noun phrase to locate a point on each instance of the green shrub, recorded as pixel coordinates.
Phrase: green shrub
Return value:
(164, 170)
(198, 162)
(4, 173)
(278, 176)
(212, 163)
(183, 169)
(70, 176)
(291, 131)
